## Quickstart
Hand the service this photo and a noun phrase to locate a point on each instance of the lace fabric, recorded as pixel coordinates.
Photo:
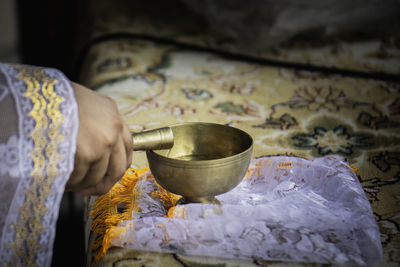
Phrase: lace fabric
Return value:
(38, 130)
(288, 209)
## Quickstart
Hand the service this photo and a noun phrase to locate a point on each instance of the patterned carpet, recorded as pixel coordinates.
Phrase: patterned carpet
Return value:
(287, 112)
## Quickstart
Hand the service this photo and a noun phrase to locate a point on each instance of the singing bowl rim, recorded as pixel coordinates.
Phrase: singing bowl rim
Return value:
(174, 162)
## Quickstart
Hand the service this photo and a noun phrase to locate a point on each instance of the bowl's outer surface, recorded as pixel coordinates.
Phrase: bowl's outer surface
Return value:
(206, 160)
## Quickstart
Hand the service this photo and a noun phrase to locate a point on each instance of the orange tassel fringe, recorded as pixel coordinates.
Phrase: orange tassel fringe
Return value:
(110, 209)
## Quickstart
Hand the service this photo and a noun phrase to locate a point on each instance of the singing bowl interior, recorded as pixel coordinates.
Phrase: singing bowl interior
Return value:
(206, 160)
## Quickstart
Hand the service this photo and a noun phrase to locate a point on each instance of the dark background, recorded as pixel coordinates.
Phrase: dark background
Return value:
(47, 33)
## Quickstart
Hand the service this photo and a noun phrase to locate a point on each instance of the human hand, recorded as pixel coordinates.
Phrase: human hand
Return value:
(104, 150)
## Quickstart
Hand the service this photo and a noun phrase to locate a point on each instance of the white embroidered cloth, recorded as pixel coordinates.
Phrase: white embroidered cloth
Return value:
(289, 209)
(38, 133)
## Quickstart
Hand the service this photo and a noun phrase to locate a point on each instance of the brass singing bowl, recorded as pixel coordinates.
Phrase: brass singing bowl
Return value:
(205, 160)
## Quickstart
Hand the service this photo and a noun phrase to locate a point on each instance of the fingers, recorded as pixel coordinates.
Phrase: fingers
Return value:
(92, 174)
(127, 137)
(104, 147)
(105, 172)
(77, 175)
(118, 164)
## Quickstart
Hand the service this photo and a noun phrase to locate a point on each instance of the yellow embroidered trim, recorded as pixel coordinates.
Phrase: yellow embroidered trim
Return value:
(125, 196)
(178, 212)
(47, 116)
(285, 165)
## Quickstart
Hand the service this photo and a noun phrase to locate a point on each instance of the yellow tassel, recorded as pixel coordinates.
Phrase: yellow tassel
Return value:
(106, 217)
(168, 199)
(171, 212)
(355, 169)
(125, 195)
(110, 235)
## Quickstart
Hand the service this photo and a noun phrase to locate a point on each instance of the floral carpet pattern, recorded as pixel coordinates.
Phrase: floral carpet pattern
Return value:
(286, 111)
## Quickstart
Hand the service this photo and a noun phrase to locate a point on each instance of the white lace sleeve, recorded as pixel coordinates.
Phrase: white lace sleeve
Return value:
(38, 131)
